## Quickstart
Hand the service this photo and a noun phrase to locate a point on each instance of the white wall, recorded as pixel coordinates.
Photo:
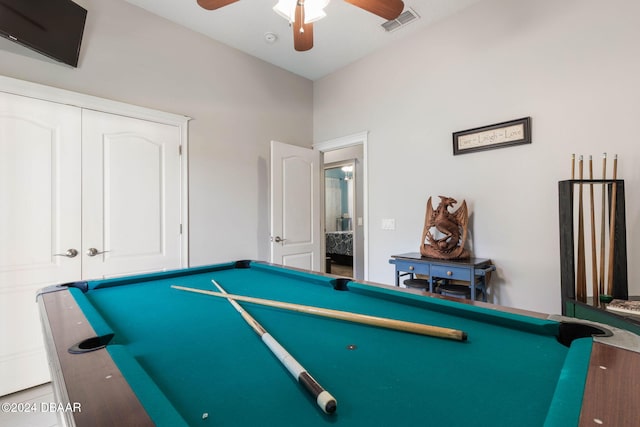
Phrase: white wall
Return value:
(238, 104)
(571, 65)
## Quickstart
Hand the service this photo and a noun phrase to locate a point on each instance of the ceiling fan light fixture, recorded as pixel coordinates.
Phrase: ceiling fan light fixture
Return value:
(313, 9)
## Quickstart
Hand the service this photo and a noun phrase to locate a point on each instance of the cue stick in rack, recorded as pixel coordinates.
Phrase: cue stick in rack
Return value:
(324, 399)
(602, 224)
(382, 322)
(594, 256)
(612, 230)
(582, 275)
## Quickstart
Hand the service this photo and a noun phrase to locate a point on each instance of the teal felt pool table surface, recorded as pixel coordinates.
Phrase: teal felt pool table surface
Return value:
(181, 358)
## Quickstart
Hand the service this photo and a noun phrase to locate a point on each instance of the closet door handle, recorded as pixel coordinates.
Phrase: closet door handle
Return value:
(70, 253)
(94, 252)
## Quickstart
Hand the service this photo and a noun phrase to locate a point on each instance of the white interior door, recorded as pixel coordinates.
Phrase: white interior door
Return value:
(295, 206)
(39, 224)
(131, 195)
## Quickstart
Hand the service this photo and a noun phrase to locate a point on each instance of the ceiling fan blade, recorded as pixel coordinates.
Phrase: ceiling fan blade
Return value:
(302, 33)
(214, 4)
(387, 9)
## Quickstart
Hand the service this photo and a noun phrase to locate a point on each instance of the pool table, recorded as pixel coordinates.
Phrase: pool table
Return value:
(136, 351)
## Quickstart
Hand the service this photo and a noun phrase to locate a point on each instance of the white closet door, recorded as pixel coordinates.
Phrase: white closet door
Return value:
(39, 224)
(131, 195)
(295, 206)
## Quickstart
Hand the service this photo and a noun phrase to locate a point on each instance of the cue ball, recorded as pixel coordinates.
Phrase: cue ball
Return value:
(351, 347)
(205, 416)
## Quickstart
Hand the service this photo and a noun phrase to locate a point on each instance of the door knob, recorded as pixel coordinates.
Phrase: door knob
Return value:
(70, 253)
(94, 252)
(277, 239)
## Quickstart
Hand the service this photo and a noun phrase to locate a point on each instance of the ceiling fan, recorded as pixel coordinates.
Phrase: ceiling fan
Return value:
(302, 13)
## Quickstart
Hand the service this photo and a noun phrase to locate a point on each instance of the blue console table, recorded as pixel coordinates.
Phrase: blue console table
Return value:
(471, 270)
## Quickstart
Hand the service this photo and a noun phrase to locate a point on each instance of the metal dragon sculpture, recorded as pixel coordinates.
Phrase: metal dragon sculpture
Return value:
(445, 233)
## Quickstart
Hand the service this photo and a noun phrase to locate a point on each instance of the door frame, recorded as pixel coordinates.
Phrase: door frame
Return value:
(360, 138)
(63, 96)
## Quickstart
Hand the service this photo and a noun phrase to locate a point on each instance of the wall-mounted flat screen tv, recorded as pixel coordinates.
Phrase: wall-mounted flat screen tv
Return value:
(51, 27)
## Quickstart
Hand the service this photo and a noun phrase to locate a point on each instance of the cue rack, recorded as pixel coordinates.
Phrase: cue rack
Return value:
(593, 245)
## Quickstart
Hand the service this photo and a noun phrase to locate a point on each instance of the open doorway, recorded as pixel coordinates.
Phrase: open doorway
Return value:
(351, 149)
(344, 211)
(339, 213)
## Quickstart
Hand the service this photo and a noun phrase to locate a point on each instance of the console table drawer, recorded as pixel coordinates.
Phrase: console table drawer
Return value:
(450, 272)
(413, 267)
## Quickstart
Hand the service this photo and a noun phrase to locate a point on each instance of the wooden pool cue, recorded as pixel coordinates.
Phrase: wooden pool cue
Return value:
(594, 256)
(612, 229)
(602, 224)
(382, 322)
(324, 399)
(581, 282)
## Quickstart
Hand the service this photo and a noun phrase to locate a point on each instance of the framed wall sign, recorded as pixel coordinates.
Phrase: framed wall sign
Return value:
(506, 134)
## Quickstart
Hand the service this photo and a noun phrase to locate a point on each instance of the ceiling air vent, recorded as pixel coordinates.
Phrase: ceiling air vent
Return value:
(402, 20)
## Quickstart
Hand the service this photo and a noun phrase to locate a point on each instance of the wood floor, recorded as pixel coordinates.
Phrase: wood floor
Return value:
(342, 270)
(30, 400)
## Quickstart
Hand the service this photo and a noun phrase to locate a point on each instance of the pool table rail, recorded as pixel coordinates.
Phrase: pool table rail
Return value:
(74, 377)
(612, 390)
